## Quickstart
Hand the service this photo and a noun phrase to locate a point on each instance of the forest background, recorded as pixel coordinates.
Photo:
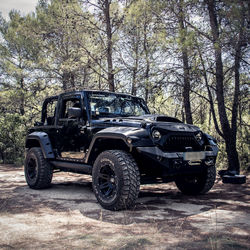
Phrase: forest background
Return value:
(187, 58)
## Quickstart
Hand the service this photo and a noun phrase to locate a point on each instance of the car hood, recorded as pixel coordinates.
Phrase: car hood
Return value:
(160, 122)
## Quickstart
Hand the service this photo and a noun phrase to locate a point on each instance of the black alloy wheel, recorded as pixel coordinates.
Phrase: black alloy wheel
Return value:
(32, 169)
(38, 171)
(107, 181)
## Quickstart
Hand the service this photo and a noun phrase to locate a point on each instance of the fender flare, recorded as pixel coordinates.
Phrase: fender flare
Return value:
(105, 136)
(114, 133)
(130, 137)
(43, 139)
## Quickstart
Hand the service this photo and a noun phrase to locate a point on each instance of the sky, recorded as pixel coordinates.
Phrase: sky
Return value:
(25, 6)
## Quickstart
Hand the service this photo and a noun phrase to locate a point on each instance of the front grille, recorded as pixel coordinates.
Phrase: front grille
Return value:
(178, 143)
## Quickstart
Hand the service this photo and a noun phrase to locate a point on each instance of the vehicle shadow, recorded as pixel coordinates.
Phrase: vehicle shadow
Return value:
(154, 204)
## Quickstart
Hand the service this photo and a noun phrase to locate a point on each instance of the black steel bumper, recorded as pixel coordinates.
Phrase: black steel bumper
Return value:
(176, 160)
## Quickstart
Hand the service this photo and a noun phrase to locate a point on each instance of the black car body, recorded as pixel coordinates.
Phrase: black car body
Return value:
(77, 128)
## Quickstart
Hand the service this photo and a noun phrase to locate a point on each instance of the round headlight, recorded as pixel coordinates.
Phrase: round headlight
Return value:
(198, 136)
(156, 135)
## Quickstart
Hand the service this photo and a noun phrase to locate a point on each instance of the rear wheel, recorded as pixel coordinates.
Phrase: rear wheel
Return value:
(116, 180)
(198, 183)
(38, 171)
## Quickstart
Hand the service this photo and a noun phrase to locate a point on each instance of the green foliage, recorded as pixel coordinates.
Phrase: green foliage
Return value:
(63, 45)
(13, 126)
(12, 134)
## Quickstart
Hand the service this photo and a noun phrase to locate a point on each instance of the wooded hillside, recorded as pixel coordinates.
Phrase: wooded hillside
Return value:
(186, 58)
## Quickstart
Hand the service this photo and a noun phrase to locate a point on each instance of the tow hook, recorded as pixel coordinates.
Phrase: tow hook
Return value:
(194, 163)
(209, 162)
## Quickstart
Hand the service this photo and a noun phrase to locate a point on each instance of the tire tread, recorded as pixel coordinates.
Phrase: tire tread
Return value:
(131, 180)
(45, 171)
(206, 183)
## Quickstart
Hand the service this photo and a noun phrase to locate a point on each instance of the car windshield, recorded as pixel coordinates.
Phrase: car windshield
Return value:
(115, 105)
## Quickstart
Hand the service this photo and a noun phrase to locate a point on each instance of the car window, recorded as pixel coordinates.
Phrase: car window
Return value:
(68, 103)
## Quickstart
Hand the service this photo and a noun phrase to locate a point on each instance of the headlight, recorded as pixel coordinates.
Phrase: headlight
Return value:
(156, 135)
(198, 136)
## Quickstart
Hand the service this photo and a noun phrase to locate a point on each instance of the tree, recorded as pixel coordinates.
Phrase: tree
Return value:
(106, 23)
(179, 44)
(59, 27)
(228, 132)
(185, 60)
(139, 54)
(18, 55)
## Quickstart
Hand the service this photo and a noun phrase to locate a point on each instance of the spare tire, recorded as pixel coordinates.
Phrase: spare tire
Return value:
(234, 179)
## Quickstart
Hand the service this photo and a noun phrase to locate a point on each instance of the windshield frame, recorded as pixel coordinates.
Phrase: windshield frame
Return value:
(135, 99)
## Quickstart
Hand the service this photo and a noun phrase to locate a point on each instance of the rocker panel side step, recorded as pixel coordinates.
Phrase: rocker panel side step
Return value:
(72, 167)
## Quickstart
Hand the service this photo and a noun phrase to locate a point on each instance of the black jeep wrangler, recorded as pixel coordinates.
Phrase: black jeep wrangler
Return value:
(114, 138)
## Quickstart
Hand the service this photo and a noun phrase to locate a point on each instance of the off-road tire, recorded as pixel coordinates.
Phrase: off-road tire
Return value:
(198, 183)
(38, 171)
(118, 172)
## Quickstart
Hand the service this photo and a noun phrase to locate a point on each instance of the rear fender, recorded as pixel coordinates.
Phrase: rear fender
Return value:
(40, 139)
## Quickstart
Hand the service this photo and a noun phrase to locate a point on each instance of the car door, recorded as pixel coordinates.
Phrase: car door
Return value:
(72, 129)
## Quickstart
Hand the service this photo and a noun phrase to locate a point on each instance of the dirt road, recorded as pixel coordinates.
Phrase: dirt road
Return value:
(67, 216)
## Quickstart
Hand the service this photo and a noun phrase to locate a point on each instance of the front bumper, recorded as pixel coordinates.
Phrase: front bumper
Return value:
(176, 160)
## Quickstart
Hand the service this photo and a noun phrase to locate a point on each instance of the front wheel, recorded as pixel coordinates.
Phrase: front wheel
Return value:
(116, 180)
(197, 183)
(38, 171)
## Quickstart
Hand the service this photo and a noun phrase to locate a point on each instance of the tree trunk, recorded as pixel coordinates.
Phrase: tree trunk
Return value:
(182, 114)
(68, 80)
(228, 134)
(100, 75)
(65, 80)
(237, 59)
(22, 99)
(186, 86)
(85, 76)
(211, 101)
(147, 83)
(209, 119)
(106, 11)
(72, 80)
(2, 157)
(135, 69)
(145, 48)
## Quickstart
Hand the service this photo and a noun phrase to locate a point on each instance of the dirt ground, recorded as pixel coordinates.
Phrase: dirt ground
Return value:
(67, 216)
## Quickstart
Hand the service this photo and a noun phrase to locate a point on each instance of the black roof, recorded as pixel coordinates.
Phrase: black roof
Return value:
(95, 91)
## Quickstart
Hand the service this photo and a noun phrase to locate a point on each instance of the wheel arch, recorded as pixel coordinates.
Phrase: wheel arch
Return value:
(41, 140)
(103, 142)
(117, 138)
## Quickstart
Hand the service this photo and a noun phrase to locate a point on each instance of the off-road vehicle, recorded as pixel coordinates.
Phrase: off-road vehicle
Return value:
(114, 138)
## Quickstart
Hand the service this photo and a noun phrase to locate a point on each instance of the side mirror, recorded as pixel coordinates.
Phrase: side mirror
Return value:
(74, 112)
